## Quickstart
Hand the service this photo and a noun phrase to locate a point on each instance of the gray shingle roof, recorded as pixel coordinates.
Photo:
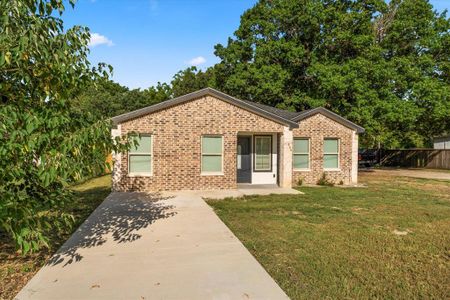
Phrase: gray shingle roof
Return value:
(328, 113)
(278, 115)
(281, 112)
(247, 105)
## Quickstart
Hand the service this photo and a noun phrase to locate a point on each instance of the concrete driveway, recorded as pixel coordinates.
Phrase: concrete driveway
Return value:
(416, 173)
(136, 246)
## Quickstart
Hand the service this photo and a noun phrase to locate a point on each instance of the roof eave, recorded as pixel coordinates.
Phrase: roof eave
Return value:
(198, 94)
(332, 116)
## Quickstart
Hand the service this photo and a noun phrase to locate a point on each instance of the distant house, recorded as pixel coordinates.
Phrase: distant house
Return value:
(442, 142)
(210, 140)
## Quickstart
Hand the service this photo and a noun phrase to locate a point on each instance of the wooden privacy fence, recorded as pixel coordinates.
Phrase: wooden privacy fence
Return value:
(415, 158)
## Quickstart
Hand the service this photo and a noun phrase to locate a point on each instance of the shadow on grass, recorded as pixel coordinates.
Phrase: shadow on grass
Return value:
(119, 217)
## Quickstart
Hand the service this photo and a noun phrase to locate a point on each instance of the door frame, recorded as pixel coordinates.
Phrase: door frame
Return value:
(250, 145)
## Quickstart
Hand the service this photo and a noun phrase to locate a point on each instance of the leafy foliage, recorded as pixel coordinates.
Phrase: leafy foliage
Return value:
(44, 144)
(191, 80)
(106, 98)
(324, 180)
(383, 66)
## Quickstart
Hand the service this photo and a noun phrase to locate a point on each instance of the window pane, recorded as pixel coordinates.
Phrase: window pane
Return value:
(140, 164)
(145, 145)
(301, 146)
(263, 153)
(262, 145)
(330, 161)
(211, 163)
(262, 162)
(212, 145)
(330, 146)
(301, 161)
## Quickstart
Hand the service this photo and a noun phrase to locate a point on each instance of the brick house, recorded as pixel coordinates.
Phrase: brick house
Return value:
(210, 140)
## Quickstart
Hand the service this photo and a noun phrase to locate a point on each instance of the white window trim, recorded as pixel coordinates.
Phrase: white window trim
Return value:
(309, 154)
(338, 154)
(270, 169)
(143, 174)
(202, 173)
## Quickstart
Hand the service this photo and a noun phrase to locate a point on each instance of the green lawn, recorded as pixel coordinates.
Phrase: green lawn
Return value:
(389, 240)
(16, 270)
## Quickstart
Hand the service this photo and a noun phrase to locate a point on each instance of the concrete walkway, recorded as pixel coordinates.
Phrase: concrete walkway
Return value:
(136, 246)
(243, 190)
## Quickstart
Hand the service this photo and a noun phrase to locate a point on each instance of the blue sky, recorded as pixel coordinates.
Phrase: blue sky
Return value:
(147, 41)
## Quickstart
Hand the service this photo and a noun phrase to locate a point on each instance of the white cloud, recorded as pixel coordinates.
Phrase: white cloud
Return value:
(98, 39)
(196, 61)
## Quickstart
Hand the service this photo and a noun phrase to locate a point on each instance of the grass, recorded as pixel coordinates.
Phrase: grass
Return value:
(16, 270)
(390, 240)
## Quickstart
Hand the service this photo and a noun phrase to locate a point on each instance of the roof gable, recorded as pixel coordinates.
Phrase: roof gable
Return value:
(280, 116)
(328, 113)
(273, 114)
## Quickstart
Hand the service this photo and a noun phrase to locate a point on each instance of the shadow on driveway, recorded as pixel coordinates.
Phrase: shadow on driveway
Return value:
(120, 217)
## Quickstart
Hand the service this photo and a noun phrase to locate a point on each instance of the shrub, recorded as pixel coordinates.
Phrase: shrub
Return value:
(325, 181)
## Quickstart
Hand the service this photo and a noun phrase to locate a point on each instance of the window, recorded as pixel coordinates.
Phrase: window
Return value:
(212, 154)
(331, 154)
(301, 154)
(140, 157)
(263, 153)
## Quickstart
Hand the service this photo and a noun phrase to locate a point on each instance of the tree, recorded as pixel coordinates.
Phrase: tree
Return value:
(191, 80)
(105, 98)
(102, 99)
(44, 144)
(159, 93)
(383, 66)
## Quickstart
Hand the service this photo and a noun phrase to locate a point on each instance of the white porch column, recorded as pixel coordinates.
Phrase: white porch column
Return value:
(354, 174)
(286, 140)
(117, 160)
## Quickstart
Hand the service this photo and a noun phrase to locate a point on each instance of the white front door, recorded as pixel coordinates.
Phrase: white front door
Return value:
(264, 168)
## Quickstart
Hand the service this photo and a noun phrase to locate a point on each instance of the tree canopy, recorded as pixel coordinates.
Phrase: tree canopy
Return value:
(105, 98)
(44, 143)
(383, 66)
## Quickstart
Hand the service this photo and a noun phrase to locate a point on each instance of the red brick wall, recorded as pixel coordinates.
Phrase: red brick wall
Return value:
(177, 135)
(318, 127)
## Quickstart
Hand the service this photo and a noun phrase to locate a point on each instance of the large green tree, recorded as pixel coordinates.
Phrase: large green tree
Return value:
(383, 66)
(190, 80)
(44, 144)
(105, 98)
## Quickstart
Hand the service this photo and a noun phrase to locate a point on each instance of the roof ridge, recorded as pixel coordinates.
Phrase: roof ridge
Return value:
(273, 113)
(201, 93)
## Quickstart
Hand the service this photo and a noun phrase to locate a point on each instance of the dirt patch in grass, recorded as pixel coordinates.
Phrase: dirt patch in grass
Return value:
(394, 182)
(389, 240)
(16, 270)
